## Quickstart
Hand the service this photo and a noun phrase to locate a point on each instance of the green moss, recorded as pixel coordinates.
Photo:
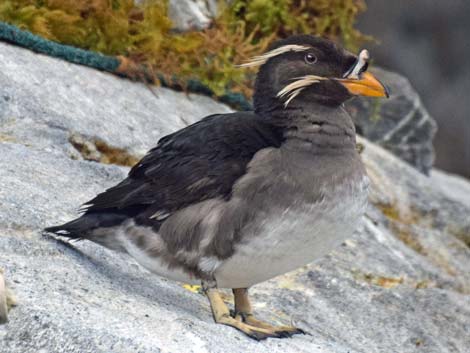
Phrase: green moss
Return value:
(403, 223)
(460, 233)
(142, 32)
(378, 280)
(97, 150)
(331, 18)
(376, 109)
(117, 27)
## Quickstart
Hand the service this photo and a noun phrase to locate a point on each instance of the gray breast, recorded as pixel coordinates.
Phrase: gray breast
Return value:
(305, 206)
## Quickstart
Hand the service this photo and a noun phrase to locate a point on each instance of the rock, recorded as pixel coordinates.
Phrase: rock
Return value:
(401, 284)
(3, 300)
(400, 124)
(45, 108)
(455, 187)
(428, 45)
(189, 15)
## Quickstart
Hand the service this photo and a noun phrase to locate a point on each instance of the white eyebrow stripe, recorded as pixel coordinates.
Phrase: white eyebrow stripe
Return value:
(261, 59)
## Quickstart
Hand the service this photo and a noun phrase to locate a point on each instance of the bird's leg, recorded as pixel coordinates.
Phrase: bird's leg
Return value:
(221, 315)
(244, 313)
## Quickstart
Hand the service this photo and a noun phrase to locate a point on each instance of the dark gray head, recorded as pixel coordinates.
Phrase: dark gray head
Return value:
(303, 69)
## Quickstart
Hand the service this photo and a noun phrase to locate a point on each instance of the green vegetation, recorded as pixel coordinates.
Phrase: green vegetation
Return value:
(142, 32)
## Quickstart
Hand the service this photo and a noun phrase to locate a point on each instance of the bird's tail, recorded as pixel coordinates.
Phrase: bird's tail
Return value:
(74, 229)
(84, 226)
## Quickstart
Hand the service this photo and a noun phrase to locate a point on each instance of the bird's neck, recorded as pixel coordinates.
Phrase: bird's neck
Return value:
(315, 127)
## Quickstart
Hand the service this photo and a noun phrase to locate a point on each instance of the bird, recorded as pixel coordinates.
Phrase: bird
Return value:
(236, 199)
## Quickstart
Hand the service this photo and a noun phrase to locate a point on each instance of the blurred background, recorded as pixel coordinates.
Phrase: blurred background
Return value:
(428, 42)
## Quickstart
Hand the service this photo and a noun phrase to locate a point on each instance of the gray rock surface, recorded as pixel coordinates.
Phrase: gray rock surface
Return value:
(44, 101)
(189, 15)
(401, 284)
(456, 187)
(401, 124)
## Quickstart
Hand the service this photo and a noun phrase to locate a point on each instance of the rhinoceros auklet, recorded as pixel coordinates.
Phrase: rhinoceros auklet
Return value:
(236, 199)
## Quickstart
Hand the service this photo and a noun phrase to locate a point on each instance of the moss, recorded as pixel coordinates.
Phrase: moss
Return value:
(385, 282)
(110, 27)
(376, 109)
(114, 155)
(410, 240)
(405, 215)
(99, 151)
(389, 210)
(6, 138)
(424, 284)
(401, 225)
(142, 32)
(360, 147)
(461, 233)
(377, 280)
(331, 18)
(393, 282)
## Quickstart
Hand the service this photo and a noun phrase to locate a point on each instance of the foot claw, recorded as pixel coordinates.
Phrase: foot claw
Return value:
(285, 334)
(292, 332)
(259, 336)
(280, 331)
(299, 331)
(242, 318)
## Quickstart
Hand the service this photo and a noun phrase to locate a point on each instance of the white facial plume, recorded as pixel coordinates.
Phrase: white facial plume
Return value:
(261, 59)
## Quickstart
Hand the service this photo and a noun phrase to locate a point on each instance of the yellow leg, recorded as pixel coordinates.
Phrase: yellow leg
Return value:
(222, 316)
(244, 313)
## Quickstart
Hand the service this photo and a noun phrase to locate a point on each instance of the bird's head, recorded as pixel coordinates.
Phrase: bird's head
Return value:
(304, 68)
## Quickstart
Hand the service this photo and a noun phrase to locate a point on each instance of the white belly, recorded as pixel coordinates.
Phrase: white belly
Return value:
(288, 239)
(291, 239)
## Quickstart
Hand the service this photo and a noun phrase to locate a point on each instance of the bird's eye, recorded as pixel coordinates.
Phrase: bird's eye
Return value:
(310, 58)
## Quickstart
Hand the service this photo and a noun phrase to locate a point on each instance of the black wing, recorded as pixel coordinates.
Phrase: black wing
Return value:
(199, 162)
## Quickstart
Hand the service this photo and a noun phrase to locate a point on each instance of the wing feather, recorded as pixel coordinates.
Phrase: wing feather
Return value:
(199, 162)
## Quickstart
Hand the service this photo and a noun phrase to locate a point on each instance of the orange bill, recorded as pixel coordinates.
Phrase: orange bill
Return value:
(367, 86)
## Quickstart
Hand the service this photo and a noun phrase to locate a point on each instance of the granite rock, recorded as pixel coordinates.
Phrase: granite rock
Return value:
(427, 43)
(49, 104)
(400, 124)
(400, 284)
(187, 15)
